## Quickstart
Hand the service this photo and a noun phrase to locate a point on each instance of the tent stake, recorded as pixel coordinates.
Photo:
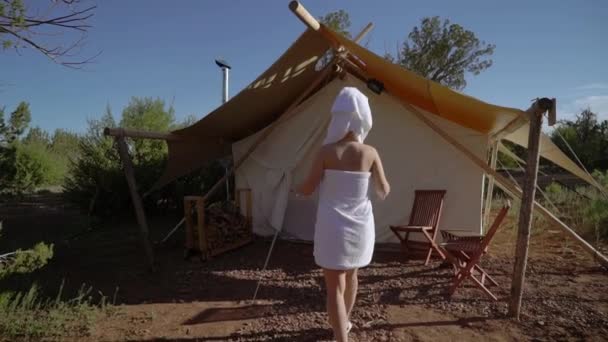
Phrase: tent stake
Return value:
(127, 165)
(525, 211)
(257, 288)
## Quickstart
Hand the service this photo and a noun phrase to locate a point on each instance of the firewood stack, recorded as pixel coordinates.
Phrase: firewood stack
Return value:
(226, 226)
(223, 227)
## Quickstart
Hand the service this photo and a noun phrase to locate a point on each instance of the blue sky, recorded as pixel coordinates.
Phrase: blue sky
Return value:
(166, 49)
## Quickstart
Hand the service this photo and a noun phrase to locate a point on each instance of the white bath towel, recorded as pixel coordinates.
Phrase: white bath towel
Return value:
(344, 230)
(350, 113)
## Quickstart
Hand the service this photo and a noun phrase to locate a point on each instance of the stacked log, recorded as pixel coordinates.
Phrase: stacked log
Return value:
(226, 227)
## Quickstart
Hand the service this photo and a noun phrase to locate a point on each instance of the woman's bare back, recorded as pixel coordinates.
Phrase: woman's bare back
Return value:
(348, 156)
(355, 156)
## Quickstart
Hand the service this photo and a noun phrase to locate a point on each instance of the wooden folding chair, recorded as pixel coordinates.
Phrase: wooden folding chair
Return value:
(424, 219)
(465, 252)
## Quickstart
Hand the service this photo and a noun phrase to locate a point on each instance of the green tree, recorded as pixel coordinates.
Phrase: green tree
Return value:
(150, 115)
(96, 173)
(30, 24)
(587, 137)
(188, 121)
(55, 152)
(64, 145)
(16, 125)
(10, 131)
(97, 169)
(37, 135)
(338, 21)
(443, 52)
(34, 167)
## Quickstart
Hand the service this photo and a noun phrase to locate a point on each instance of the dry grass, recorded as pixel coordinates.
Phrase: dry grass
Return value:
(28, 315)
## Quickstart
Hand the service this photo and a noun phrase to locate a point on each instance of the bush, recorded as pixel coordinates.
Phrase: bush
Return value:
(26, 261)
(585, 209)
(8, 154)
(96, 174)
(27, 315)
(28, 166)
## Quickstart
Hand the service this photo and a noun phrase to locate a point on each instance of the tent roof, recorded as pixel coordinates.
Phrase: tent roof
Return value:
(431, 96)
(456, 107)
(269, 95)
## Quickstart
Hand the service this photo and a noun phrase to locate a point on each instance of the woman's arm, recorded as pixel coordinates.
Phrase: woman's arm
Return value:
(382, 186)
(314, 176)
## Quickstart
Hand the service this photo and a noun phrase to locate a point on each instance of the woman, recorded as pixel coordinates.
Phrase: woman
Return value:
(344, 229)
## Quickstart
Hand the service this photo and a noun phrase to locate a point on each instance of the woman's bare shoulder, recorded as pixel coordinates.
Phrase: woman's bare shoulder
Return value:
(369, 149)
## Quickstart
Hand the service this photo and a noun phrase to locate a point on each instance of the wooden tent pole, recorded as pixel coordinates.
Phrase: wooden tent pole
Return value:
(526, 208)
(127, 165)
(304, 15)
(490, 188)
(312, 23)
(363, 32)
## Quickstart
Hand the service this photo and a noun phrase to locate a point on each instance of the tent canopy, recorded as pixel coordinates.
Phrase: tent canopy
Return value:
(269, 95)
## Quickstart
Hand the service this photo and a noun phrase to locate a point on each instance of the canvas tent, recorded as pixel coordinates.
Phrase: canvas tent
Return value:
(416, 158)
(429, 136)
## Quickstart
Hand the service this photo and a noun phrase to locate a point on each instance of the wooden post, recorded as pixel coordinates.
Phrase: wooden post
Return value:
(127, 165)
(189, 224)
(134, 133)
(526, 207)
(203, 239)
(363, 32)
(490, 188)
(304, 15)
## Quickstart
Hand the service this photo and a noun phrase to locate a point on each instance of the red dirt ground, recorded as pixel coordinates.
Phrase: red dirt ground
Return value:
(566, 295)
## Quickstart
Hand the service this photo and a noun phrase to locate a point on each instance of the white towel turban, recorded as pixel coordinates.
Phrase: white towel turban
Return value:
(350, 113)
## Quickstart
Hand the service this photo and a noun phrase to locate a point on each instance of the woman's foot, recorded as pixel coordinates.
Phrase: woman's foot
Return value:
(349, 326)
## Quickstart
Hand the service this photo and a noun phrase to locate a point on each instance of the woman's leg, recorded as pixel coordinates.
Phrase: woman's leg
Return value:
(350, 292)
(335, 281)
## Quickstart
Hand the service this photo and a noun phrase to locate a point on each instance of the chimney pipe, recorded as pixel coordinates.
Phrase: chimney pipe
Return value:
(225, 73)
